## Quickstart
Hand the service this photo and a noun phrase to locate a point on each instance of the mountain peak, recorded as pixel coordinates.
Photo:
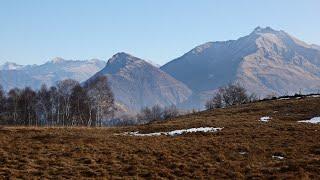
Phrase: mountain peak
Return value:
(122, 54)
(57, 60)
(122, 58)
(280, 37)
(264, 30)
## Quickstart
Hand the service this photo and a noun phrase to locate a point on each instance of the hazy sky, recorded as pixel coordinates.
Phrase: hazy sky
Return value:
(35, 31)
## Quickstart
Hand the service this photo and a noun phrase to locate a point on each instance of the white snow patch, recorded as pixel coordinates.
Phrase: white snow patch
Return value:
(139, 134)
(314, 120)
(265, 119)
(277, 157)
(243, 152)
(175, 132)
(313, 96)
(284, 98)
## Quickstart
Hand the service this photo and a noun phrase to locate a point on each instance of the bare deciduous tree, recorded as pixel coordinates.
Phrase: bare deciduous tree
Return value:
(101, 100)
(79, 106)
(43, 105)
(215, 101)
(170, 112)
(156, 112)
(232, 94)
(26, 106)
(65, 88)
(12, 104)
(55, 105)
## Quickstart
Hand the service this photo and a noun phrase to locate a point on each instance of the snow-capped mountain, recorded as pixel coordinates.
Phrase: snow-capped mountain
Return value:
(12, 75)
(136, 83)
(265, 61)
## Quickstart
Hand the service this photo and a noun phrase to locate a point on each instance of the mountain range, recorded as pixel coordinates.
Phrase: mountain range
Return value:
(14, 75)
(265, 62)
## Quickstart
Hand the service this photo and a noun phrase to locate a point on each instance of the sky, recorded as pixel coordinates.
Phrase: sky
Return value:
(35, 31)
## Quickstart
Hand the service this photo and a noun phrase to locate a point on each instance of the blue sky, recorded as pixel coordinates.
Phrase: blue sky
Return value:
(34, 31)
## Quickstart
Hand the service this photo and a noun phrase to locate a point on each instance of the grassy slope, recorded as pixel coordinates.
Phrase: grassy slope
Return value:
(98, 152)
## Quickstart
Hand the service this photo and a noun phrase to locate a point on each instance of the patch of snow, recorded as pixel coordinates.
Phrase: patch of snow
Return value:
(139, 134)
(314, 120)
(284, 99)
(277, 157)
(265, 119)
(175, 132)
(193, 130)
(243, 153)
(313, 96)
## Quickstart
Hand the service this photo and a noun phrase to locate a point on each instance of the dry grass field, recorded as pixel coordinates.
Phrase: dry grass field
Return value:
(243, 149)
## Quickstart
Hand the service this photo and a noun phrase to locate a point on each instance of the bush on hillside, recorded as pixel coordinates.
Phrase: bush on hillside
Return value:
(232, 94)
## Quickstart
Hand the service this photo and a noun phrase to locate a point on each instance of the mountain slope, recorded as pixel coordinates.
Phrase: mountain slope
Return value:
(315, 46)
(266, 61)
(137, 84)
(12, 75)
(245, 148)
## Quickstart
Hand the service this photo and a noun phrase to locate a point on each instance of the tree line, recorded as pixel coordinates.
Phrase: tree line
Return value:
(68, 103)
(156, 112)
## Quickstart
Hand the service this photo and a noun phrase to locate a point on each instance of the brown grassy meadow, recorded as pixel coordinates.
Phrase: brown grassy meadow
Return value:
(243, 149)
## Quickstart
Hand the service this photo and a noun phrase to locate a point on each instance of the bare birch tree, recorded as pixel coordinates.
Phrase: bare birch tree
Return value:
(101, 100)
